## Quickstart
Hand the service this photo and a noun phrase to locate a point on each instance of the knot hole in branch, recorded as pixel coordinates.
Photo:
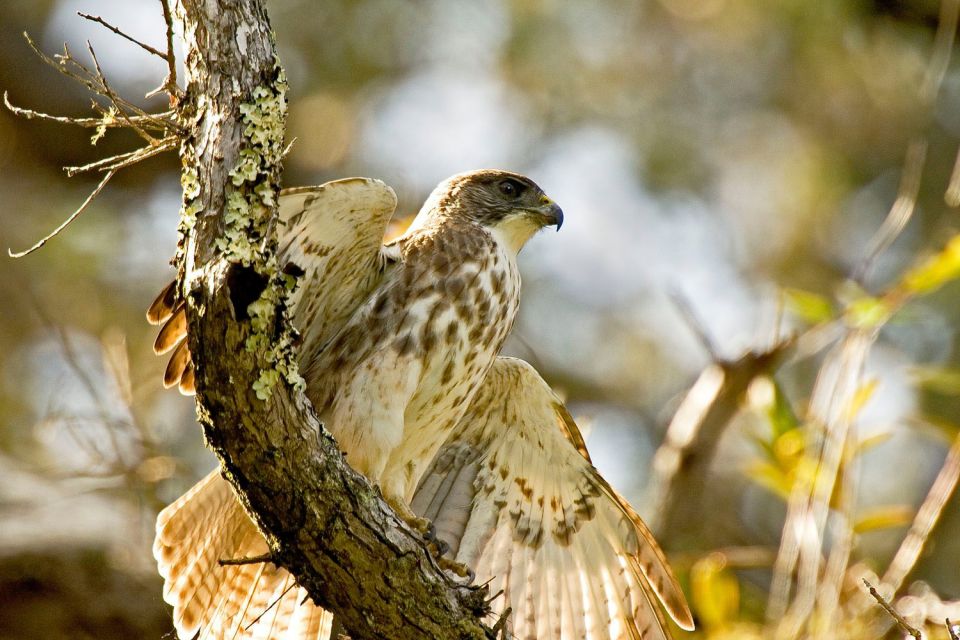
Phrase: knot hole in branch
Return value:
(246, 286)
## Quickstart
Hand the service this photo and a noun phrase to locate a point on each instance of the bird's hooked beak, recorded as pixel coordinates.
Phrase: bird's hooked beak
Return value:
(551, 212)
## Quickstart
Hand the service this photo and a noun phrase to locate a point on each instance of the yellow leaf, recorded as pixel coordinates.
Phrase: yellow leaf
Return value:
(861, 397)
(715, 590)
(771, 478)
(866, 444)
(935, 271)
(885, 517)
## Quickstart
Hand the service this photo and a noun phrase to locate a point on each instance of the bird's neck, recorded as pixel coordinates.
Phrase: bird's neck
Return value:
(513, 233)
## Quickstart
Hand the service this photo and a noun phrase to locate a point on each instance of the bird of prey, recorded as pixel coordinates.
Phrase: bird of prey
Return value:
(400, 353)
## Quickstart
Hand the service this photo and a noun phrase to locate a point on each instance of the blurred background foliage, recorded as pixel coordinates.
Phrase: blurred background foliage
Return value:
(724, 166)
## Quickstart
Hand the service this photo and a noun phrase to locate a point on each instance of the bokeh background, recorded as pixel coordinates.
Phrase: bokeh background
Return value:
(710, 155)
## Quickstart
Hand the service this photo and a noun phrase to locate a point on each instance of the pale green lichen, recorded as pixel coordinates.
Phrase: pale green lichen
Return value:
(191, 205)
(190, 183)
(108, 119)
(250, 197)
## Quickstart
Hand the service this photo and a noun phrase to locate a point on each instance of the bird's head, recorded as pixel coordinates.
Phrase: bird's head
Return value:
(510, 206)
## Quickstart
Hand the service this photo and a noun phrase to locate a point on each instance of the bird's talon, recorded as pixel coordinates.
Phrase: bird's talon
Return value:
(457, 568)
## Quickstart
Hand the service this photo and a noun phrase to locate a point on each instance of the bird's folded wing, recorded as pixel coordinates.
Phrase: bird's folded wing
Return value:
(332, 234)
(257, 600)
(518, 501)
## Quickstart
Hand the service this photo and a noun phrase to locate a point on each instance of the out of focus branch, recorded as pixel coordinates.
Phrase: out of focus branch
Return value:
(926, 519)
(681, 464)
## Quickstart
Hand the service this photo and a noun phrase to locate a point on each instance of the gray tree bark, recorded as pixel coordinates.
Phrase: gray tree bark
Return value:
(322, 520)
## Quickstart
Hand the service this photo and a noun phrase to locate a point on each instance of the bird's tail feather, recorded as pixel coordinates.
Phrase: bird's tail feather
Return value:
(214, 602)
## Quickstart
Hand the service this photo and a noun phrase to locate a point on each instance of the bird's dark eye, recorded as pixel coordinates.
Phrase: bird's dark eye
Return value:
(511, 188)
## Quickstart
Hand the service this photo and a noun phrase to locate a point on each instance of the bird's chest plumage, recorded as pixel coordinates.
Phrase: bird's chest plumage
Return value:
(406, 366)
(470, 312)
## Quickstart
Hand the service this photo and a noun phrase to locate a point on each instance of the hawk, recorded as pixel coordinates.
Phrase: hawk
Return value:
(400, 353)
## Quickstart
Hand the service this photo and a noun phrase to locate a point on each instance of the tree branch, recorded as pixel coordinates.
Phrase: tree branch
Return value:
(322, 520)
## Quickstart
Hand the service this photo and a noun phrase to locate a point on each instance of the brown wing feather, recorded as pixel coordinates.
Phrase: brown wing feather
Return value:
(164, 305)
(570, 555)
(256, 600)
(177, 365)
(334, 233)
(173, 332)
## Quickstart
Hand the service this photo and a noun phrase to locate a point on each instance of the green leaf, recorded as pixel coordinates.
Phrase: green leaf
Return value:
(868, 312)
(812, 307)
(780, 413)
(938, 379)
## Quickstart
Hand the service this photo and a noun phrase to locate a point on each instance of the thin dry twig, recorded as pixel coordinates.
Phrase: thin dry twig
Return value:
(116, 30)
(231, 562)
(66, 64)
(905, 626)
(30, 114)
(66, 223)
(170, 82)
(900, 212)
(926, 518)
(160, 131)
(951, 630)
(119, 161)
(270, 606)
(116, 100)
(800, 553)
(693, 322)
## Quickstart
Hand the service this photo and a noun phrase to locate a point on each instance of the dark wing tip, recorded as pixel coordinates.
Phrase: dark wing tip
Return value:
(173, 332)
(177, 365)
(188, 383)
(164, 305)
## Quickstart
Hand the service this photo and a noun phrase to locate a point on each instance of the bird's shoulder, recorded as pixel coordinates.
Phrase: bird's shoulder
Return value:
(462, 240)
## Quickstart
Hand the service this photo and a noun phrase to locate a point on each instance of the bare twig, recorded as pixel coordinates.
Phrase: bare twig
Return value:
(170, 82)
(260, 559)
(500, 627)
(119, 161)
(951, 630)
(66, 64)
(270, 606)
(66, 223)
(116, 100)
(905, 626)
(901, 211)
(30, 114)
(693, 322)
(800, 553)
(681, 463)
(120, 33)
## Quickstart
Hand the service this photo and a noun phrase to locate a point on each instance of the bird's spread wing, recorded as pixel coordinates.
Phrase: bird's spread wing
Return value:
(251, 601)
(517, 499)
(333, 234)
